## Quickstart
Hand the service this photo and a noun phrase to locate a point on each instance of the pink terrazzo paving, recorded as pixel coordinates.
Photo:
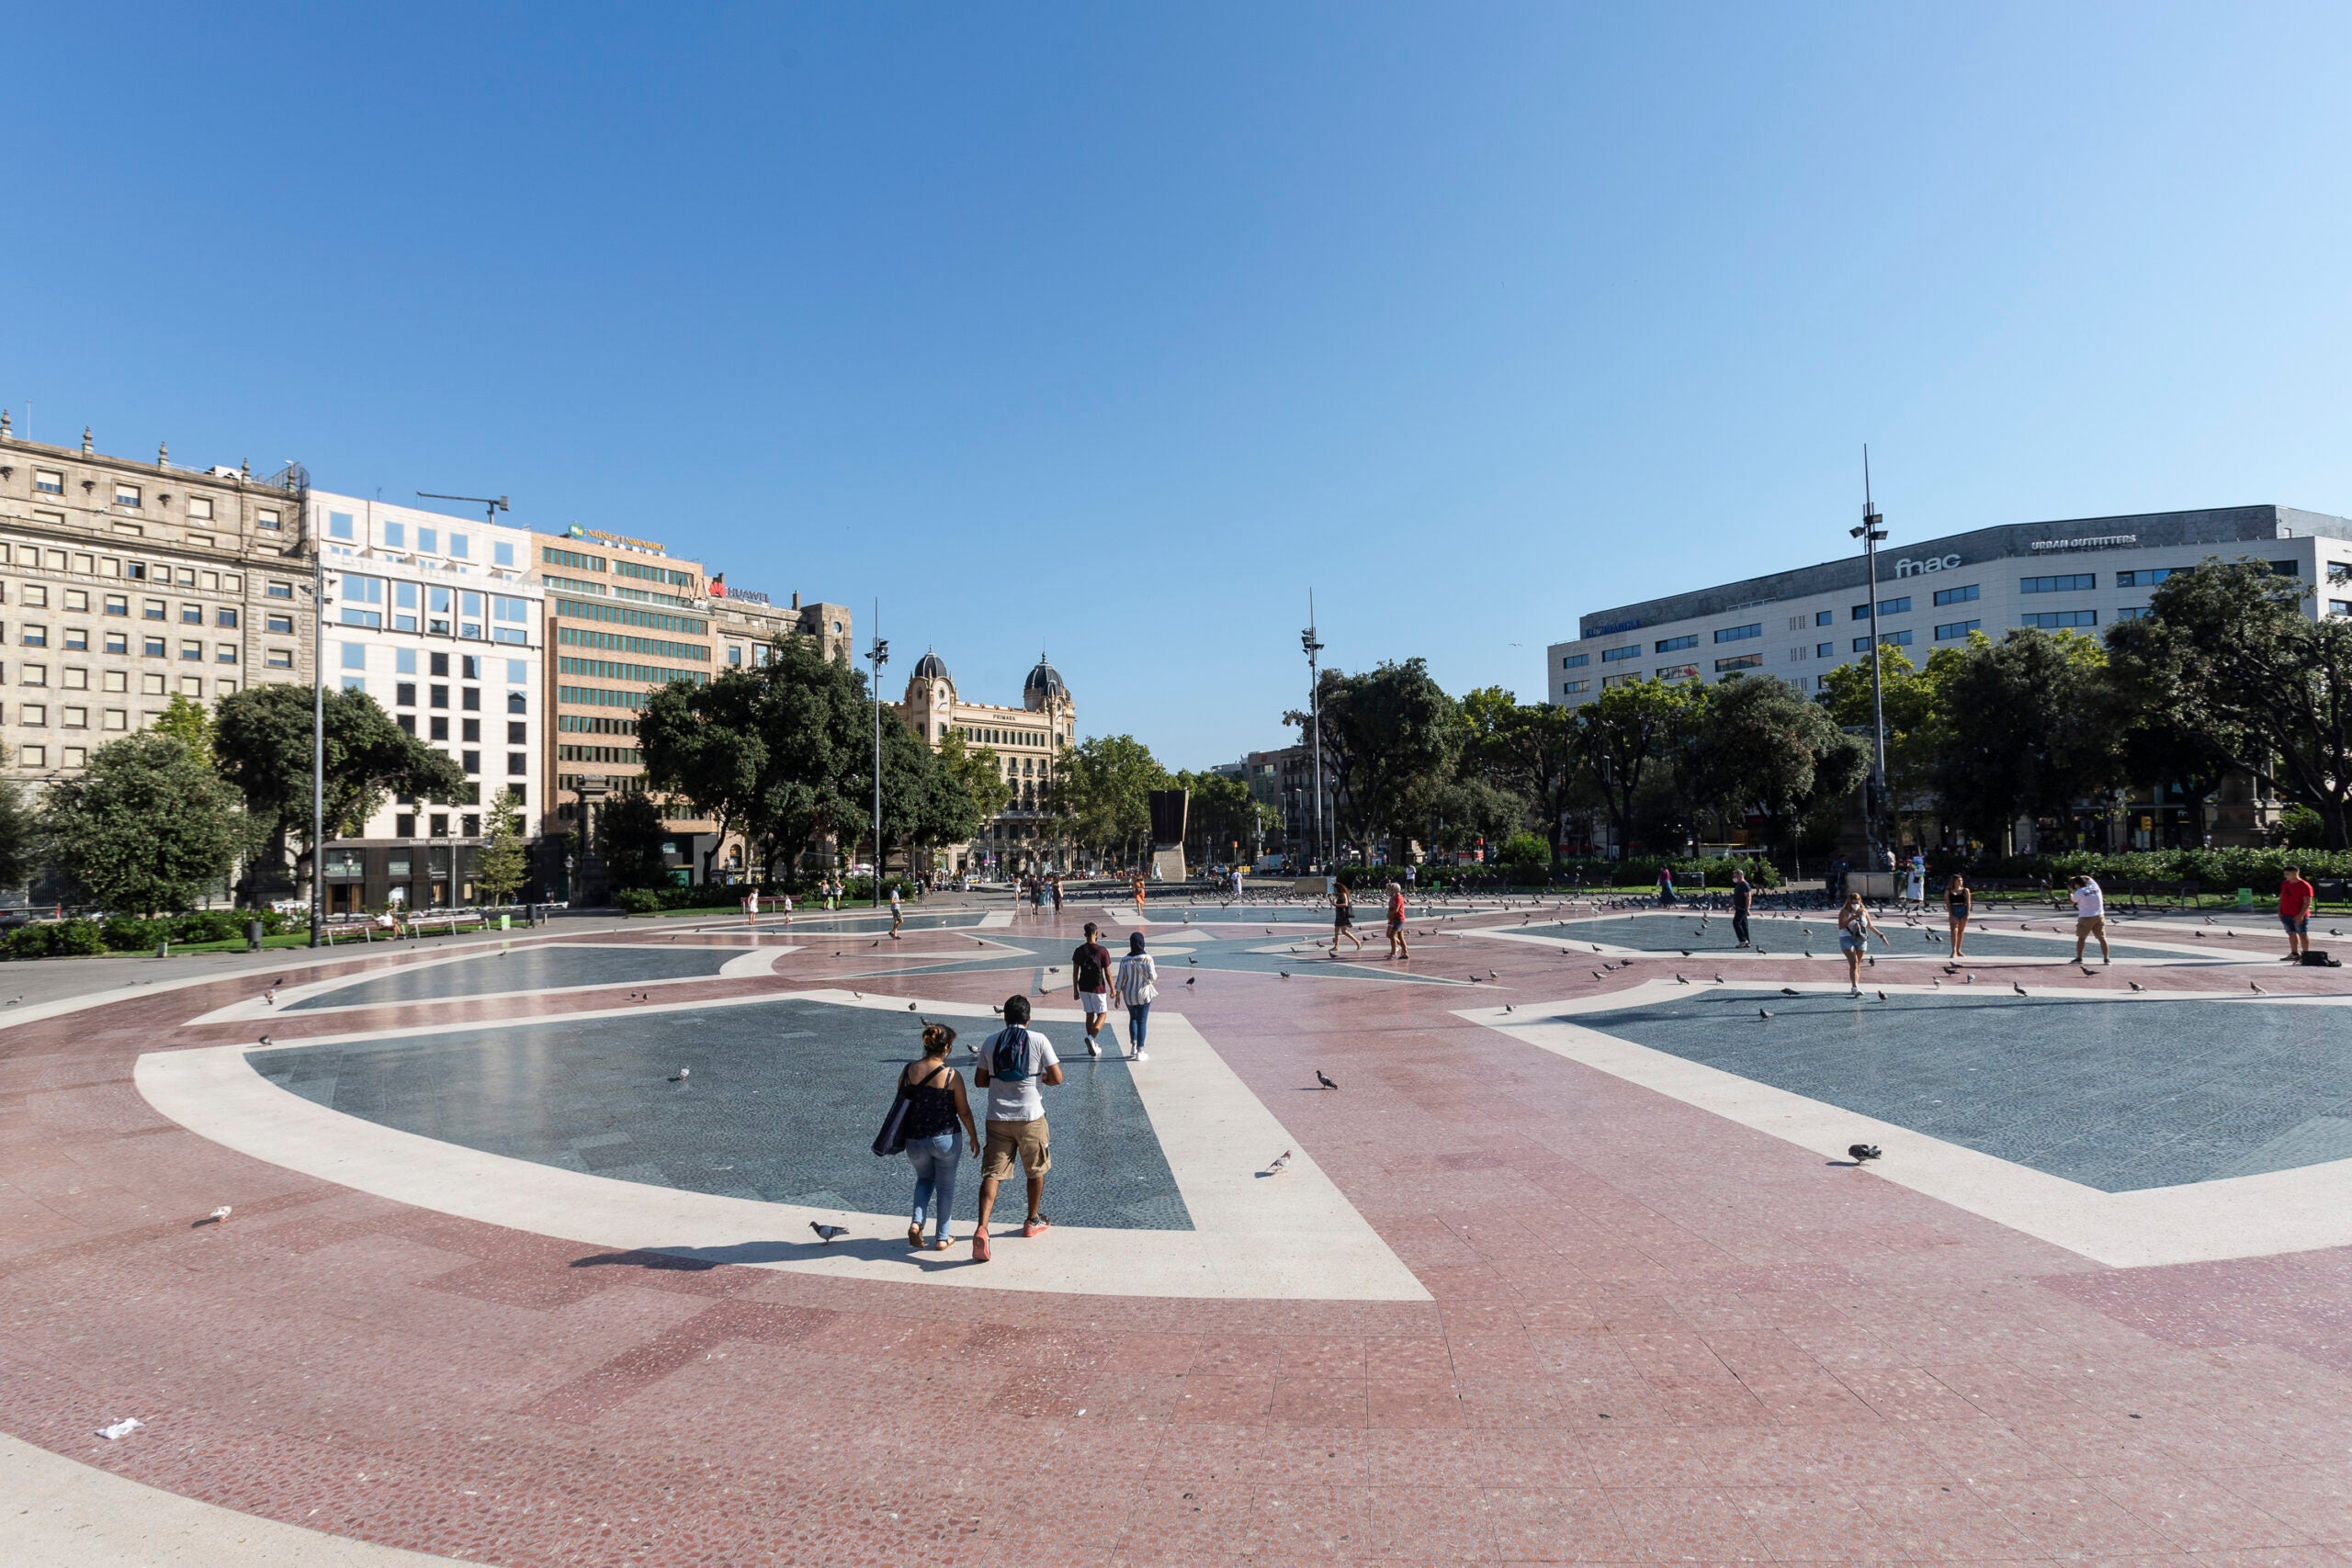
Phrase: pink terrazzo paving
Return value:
(1654, 1336)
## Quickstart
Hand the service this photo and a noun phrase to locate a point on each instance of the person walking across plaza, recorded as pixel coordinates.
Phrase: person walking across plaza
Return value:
(1139, 893)
(1396, 945)
(1914, 881)
(897, 914)
(1090, 971)
(1139, 989)
(1665, 885)
(1343, 918)
(1854, 928)
(2090, 916)
(1959, 904)
(935, 1107)
(1743, 897)
(1055, 882)
(2295, 899)
(1017, 1066)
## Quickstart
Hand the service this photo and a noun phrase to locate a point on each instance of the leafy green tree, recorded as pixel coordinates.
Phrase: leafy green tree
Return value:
(1458, 814)
(261, 741)
(2025, 731)
(1100, 792)
(817, 721)
(706, 744)
(1764, 747)
(1915, 704)
(1388, 734)
(1221, 815)
(185, 720)
(19, 836)
(630, 833)
(502, 864)
(147, 827)
(2169, 738)
(1628, 733)
(2237, 661)
(924, 805)
(980, 770)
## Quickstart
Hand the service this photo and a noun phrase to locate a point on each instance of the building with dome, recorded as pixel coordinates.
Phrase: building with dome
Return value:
(1025, 739)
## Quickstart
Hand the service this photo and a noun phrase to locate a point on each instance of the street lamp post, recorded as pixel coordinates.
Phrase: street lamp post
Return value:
(1874, 798)
(881, 654)
(1314, 647)
(318, 729)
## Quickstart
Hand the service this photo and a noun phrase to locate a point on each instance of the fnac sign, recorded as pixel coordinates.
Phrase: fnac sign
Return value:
(1932, 563)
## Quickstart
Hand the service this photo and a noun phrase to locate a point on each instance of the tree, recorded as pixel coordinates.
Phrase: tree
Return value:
(630, 832)
(262, 739)
(1763, 748)
(980, 770)
(147, 827)
(1222, 819)
(1626, 732)
(817, 722)
(706, 744)
(2243, 666)
(185, 720)
(1459, 814)
(2024, 732)
(19, 836)
(923, 806)
(2168, 739)
(1547, 762)
(502, 864)
(1100, 793)
(1388, 734)
(1915, 704)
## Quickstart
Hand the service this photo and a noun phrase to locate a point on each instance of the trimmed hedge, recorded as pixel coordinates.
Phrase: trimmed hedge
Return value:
(1639, 871)
(135, 933)
(2212, 870)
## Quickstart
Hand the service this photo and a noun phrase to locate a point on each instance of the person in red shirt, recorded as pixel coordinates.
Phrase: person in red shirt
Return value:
(1397, 947)
(2295, 914)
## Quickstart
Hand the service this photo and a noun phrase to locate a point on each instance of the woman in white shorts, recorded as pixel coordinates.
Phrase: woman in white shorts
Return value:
(1854, 928)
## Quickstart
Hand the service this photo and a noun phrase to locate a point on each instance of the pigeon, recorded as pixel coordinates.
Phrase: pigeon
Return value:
(1719, 980)
(2018, 988)
(1507, 1007)
(1595, 947)
(1680, 981)
(1882, 995)
(1325, 1082)
(1596, 974)
(1193, 962)
(1861, 1152)
(684, 1074)
(1492, 976)
(859, 995)
(1969, 978)
(1281, 1164)
(2135, 985)
(1763, 1012)
(1283, 972)
(219, 1215)
(828, 1234)
(269, 998)
(1789, 991)
(265, 1039)
(1606, 965)
(1190, 978)
(1808, 953)
(2256, 990)
(1686, 952)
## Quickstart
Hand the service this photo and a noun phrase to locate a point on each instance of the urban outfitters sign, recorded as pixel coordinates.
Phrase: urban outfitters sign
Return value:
(1932, 563)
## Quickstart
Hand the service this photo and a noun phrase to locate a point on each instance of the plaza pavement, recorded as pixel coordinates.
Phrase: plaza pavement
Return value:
(1522, 1298)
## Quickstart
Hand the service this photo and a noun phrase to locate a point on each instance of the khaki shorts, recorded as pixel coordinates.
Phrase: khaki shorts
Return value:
(1006, 1139)
(2091, 925)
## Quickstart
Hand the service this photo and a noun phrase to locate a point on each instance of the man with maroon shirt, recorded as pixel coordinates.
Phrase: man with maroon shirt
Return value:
(2295, 914)
(1090, 968)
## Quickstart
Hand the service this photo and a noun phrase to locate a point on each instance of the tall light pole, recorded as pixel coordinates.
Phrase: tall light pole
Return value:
(1873, 801)
(1314, 647)
(880, 657)
(318, 727)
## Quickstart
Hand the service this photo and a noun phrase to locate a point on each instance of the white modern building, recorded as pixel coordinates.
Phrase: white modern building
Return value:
(2081, 575)
(434, 617)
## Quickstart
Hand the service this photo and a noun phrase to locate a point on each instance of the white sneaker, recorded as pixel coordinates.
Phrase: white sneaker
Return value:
(1092, 1049)
(1141, 1056)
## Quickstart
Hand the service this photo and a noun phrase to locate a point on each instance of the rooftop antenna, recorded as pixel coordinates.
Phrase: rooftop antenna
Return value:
(494, 504)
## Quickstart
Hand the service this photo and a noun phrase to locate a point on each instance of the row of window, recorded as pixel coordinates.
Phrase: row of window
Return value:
(51, 481)
(655, 646)
(591, 723)
(610, 670)
(601, 697)
(343, 526)
(47, 557)
(433, 609)
(469, 666)
(469, 730)
(623, 755)
(654, 620)
(77, 640)
(983, 735)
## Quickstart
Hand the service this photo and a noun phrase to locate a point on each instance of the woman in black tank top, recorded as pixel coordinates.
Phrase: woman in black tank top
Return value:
(1957, 908)
(936, 1104)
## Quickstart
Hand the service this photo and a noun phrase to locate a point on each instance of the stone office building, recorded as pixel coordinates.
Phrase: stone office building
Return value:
(1026, 740)
(125, 582)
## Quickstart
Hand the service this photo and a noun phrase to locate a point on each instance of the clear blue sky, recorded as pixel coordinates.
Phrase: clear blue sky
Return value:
(1113, 328)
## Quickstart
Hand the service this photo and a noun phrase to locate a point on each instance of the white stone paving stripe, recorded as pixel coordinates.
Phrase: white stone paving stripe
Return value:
(1292, 1237)
(2240, 1216)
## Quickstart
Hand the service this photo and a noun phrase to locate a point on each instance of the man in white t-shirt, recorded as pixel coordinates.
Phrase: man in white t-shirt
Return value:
(2090, 916)
(1016, 1063)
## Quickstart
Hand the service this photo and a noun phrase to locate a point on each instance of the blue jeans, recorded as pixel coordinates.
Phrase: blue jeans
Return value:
(1138, 1015)
(935, 1160)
